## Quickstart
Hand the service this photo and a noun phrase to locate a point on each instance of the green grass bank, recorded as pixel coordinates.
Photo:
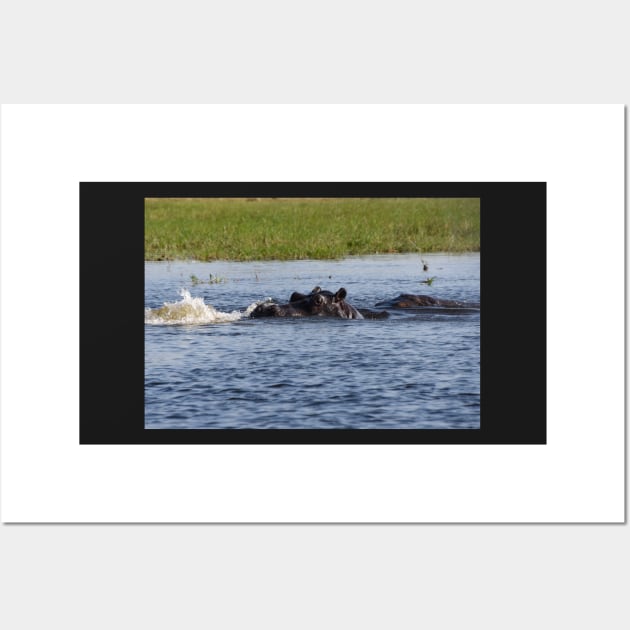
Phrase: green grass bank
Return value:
(301, 228)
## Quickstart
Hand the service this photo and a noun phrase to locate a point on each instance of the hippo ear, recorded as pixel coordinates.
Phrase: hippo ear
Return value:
(340, 295)
(316, 289)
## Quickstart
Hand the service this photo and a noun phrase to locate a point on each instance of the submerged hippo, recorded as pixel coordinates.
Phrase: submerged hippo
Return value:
(316, 303)
(408, 300)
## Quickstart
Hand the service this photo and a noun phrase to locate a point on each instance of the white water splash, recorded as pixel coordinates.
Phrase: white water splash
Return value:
(190, 310)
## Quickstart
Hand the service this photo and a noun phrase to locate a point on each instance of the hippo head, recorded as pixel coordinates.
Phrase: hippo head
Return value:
(316, 303)
(325, 303)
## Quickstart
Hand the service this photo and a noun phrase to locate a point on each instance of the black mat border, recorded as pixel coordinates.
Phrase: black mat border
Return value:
(513, 315)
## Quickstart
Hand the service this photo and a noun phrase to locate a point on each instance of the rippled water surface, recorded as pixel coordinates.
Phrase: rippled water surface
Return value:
(208, 365)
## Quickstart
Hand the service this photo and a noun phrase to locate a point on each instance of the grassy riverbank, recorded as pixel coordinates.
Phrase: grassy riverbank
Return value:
(300, 228)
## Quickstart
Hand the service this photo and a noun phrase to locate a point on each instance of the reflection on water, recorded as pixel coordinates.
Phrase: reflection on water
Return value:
(207, 365)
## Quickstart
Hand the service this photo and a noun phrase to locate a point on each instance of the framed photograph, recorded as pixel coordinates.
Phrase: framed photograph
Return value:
(255, 333)
(313, 314)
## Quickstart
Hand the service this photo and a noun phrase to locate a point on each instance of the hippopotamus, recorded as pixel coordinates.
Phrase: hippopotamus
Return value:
(318, 302)
(408, 300)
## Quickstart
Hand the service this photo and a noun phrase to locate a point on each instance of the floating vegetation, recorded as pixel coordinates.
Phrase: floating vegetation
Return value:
(211, 280)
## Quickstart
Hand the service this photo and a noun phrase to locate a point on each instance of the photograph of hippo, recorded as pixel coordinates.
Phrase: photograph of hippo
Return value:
(387, 338)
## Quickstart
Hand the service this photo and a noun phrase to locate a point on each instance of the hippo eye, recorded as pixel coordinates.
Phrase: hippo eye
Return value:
(318, 299)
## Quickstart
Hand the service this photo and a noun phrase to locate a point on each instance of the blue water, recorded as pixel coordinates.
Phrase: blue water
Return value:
(207, 365)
